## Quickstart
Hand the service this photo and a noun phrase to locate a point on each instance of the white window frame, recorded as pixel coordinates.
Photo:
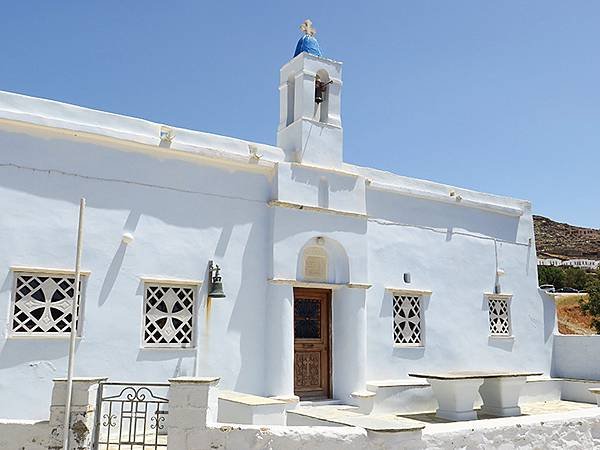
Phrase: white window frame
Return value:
(500, 297)
(419, 296)
(18, 271)
(194, 285)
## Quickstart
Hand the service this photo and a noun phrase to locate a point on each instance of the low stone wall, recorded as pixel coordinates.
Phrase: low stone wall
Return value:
(24, 434)
(574, 430)
(576, 357)
(192, 427)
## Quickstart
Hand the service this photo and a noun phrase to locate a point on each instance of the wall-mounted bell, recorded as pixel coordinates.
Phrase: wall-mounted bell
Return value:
(320, 89)
(215, 288)
(318, 94)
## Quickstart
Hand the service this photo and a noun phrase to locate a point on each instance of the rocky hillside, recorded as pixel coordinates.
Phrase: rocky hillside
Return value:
(564, 240)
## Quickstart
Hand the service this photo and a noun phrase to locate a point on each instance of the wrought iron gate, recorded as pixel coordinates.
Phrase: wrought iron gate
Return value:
(131, 416)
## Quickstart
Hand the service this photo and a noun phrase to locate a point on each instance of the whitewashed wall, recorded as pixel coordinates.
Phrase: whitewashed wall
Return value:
(451, 251)
(183, 212)
(576, 357)
(207, 212)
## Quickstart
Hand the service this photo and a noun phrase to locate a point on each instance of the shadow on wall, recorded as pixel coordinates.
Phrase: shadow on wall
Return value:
(426, 213)
(24, 350)
(175, 191)
(117, 260)
(337, 182)
(287, 225)
(251, 339)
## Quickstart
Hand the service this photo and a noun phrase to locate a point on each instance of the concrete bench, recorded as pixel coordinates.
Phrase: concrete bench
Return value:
(541, 389)
(596, 392)
(456, 392)
(578, 390)
(248, 409)
(401, 396)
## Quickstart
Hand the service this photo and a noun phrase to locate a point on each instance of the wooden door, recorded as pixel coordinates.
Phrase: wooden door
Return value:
(312, 337)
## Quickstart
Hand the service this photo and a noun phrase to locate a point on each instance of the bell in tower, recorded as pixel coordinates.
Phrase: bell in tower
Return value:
(310, 128)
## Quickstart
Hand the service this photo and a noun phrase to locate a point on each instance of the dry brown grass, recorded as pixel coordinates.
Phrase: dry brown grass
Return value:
(571, 319)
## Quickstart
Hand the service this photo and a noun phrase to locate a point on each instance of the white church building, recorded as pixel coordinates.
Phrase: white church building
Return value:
(334, 275)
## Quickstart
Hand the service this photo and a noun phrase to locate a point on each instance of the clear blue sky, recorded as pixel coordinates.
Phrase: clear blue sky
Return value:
(498, 96)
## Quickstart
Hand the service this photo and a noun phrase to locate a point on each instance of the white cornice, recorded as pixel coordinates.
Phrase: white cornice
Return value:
(318, 285)
(134, 133)
(408, 291)
(338, 212)
(497, 296)
(48, 270)
(171, 281)
(456, 199)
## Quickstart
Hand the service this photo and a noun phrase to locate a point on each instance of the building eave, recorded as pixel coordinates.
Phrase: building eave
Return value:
(84, 123)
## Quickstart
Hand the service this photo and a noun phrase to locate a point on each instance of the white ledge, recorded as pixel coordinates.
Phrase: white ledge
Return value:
(195, 380)
(438, 197)
(48, 270)
(359, 285)
(556, 295)
(497, 296)
(325, 169)
(318, 285)
(397, 345)
(501, 336)
(408, 291)
(171, 281)
(291, 205)
(248, 399)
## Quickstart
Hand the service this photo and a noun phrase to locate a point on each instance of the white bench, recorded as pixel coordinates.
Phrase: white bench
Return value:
(401, 396)
(237, 407)
(456, 392)
(596, 392)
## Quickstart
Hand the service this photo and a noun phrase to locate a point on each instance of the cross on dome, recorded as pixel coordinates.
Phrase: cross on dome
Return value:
(307, 28)
(308, 43)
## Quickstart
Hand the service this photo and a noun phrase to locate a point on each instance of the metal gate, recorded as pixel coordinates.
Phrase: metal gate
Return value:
(131, 416)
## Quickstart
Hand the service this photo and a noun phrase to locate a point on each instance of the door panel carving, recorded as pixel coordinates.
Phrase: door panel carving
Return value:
(312, 363)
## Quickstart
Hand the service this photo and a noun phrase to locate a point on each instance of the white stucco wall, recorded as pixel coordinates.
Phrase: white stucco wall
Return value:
(576, 357)
(204, 198)
(451, 250)
(180, 213)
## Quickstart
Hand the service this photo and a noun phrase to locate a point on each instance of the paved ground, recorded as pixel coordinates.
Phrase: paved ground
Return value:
(528, 409)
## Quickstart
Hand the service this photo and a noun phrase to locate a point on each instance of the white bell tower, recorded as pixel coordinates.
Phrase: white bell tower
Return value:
(310, 126)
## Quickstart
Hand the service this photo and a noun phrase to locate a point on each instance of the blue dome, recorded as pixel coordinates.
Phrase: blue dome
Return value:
(308, 44)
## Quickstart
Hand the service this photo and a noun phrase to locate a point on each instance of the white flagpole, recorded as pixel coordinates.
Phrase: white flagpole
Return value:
(74, 313)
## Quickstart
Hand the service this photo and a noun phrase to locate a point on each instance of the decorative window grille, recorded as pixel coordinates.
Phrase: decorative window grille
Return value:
(168, 315)
(43, 304)
(407, 320)
(499, 316)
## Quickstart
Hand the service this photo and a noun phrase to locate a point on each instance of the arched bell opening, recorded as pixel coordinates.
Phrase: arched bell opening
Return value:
(322, 82)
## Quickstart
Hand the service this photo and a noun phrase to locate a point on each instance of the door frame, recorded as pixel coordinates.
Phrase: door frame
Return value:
(328, 301)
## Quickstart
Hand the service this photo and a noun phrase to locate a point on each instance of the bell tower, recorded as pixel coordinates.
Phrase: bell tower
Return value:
(310, 125)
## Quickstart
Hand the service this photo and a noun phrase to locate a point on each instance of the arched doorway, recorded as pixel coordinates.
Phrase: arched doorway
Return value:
(322, 262)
